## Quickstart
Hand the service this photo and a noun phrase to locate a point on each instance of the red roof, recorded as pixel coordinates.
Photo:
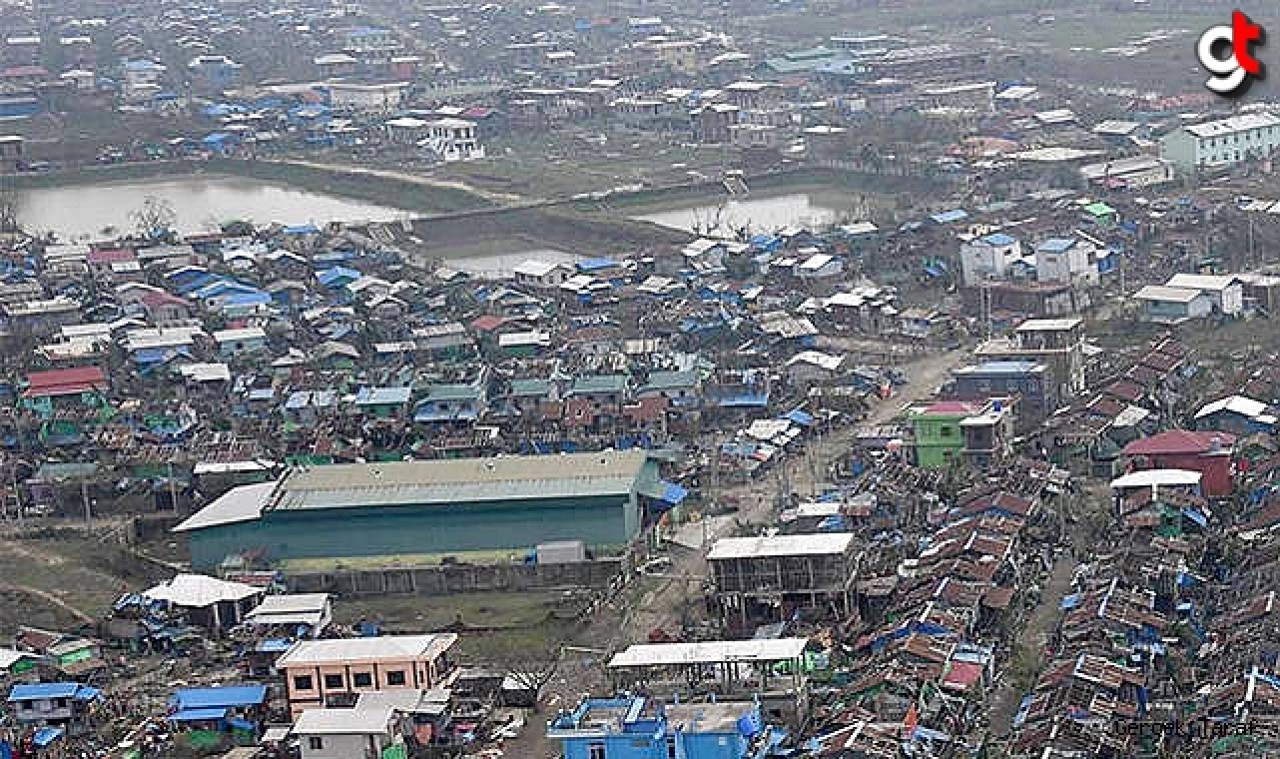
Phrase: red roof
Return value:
(20, 72)
(487, 323)
(1174, 442)
(963, 674)
(64, 382)
(110, 256)
(154, 299)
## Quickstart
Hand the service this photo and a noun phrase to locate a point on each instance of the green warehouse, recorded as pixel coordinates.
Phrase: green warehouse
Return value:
(449, 506)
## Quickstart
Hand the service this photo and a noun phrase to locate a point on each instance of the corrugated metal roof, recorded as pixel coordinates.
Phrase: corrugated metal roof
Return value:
(818, 544)
(709, 652)
(353, 650)
(460, 480)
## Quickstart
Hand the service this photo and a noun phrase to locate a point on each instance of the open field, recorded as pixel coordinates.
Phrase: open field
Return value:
(63, 581)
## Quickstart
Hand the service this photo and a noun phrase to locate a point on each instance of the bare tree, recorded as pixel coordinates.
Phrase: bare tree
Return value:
(530, 661)
(155, 218)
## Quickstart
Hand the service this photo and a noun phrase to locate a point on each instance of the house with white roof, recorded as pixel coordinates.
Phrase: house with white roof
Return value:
(1217, 144)
(541, 274)
(1236, 414)
(345, 733)
(207, 601)
(1225, 291)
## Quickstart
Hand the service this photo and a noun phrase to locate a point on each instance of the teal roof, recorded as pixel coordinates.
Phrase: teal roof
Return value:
(670, 380)
(530, 387)
(600, 383)
(452, 393)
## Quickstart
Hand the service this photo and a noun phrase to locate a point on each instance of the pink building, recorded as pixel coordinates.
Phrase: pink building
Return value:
(333, 673)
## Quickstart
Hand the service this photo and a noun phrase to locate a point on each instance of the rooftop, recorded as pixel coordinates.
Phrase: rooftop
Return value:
(819, 544)
(401, 483)
(709, 652)
(353, 650)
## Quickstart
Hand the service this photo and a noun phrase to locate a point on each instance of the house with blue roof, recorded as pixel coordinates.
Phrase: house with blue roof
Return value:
(1067, 260)
(988, 258)
(62, 705)
(1028, 381)
(383, 402)
(337, 277)
(207, 715)
(636, 727)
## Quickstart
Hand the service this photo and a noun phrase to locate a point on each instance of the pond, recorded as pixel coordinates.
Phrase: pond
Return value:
(758, 214)
(200, 204)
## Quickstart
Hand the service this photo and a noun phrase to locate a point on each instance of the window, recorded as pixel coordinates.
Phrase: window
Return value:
(946, 431)
(362, 680)
(315, 742)
(302, 682)
(395, 677)
(595, 750)
(333, 681)
(671, 748)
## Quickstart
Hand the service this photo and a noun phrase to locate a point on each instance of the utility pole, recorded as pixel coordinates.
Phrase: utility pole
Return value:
(173, 488)
(88, 506)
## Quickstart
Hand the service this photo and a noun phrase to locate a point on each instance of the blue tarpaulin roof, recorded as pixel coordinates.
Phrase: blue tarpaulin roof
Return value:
(1197, 516)
(233, 695)
(199, 715)
(1071, 601)
(596, 264)
(52, 690)
(673, 493)
(46, 735)
(946, 217)
(275, 645)
(802, 418)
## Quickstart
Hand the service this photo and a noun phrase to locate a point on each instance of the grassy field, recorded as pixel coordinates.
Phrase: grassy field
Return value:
(487, 622)
(51, 579)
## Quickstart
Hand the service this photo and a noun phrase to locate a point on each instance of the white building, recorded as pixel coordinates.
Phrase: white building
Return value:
(142, 80)
(345, 733)
(1172, 305)
(379, 98)
(1222, 143)
(453, 139)
(535, 273)
(987, 258)
(1226, 293)
(1137, 171)
(1066, 260)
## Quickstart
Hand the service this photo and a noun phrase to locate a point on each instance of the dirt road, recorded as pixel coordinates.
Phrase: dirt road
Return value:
(660, 601)
(500, 198)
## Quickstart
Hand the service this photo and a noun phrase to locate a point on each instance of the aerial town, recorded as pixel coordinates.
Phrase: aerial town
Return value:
(819, 379)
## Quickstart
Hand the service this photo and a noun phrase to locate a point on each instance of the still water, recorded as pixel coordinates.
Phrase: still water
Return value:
(764, 214)
(85, 212)
(501, 265)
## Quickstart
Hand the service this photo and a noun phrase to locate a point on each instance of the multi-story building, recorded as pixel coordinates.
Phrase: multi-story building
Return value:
(1057, 343)
(1249, 136)
(333, 673)
(635, 727)
(975, 433)
(1067, 259)
(988, 257)
(1030, 382)
(770, 577)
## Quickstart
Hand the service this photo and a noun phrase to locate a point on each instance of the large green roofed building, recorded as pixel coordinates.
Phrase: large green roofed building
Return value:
(448, 506)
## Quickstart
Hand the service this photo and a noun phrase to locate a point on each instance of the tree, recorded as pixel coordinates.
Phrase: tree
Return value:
(530, 661)
(8, 210)
(155, 218)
